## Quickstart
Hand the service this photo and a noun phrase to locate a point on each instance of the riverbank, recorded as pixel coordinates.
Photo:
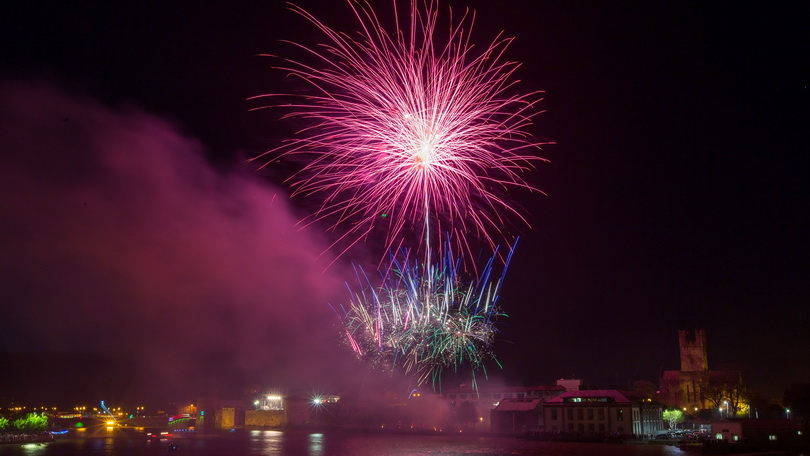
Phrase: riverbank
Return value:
(37, 437)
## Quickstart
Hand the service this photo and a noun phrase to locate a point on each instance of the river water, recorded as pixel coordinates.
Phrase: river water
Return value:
(300, 443)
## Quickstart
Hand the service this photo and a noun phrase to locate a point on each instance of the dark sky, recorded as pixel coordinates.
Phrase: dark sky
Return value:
(676, 190)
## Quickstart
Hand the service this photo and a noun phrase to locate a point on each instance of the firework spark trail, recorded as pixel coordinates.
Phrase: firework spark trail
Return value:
(403, 131)
(426, 317)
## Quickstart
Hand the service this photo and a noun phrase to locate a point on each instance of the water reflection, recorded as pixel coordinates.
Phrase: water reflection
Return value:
(105, 445)
(34, 448)
(279, 443)
(315, 444)
(303, 443)
(269, 443)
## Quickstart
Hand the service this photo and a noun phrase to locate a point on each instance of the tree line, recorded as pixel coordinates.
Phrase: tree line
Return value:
(30, 423)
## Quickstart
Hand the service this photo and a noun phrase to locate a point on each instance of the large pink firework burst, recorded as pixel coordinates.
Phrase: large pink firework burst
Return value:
(407, 135)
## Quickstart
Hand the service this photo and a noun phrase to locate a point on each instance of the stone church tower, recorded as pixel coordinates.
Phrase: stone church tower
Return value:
(682, 388)
(693, 351)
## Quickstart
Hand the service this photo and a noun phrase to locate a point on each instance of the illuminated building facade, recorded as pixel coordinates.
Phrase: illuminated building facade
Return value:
(593, 413)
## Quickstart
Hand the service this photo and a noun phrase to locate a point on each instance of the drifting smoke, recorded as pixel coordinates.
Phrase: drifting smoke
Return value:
(119, 238)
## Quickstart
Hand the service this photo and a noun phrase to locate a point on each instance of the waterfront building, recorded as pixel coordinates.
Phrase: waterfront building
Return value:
(756, 431)
(478, 404)
(592, 413)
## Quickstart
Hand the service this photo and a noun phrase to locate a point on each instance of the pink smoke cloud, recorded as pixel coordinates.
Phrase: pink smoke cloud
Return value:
(119, 237)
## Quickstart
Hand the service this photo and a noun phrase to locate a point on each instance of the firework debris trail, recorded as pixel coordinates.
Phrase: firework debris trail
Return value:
(415, 140)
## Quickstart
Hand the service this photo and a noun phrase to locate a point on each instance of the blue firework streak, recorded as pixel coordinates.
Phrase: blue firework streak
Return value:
(425, 318)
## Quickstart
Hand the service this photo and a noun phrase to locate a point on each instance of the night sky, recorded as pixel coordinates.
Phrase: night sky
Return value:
(676, 194)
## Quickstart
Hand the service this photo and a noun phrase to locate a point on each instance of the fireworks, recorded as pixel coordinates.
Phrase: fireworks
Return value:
(424, 319)
(411, 138)
(407, 136)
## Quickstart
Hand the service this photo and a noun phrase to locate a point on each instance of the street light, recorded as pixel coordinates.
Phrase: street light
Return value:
(787, 410)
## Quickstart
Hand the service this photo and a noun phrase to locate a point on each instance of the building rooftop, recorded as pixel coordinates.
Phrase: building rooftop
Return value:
(616, 395)
(518, 405)
(761, 423)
